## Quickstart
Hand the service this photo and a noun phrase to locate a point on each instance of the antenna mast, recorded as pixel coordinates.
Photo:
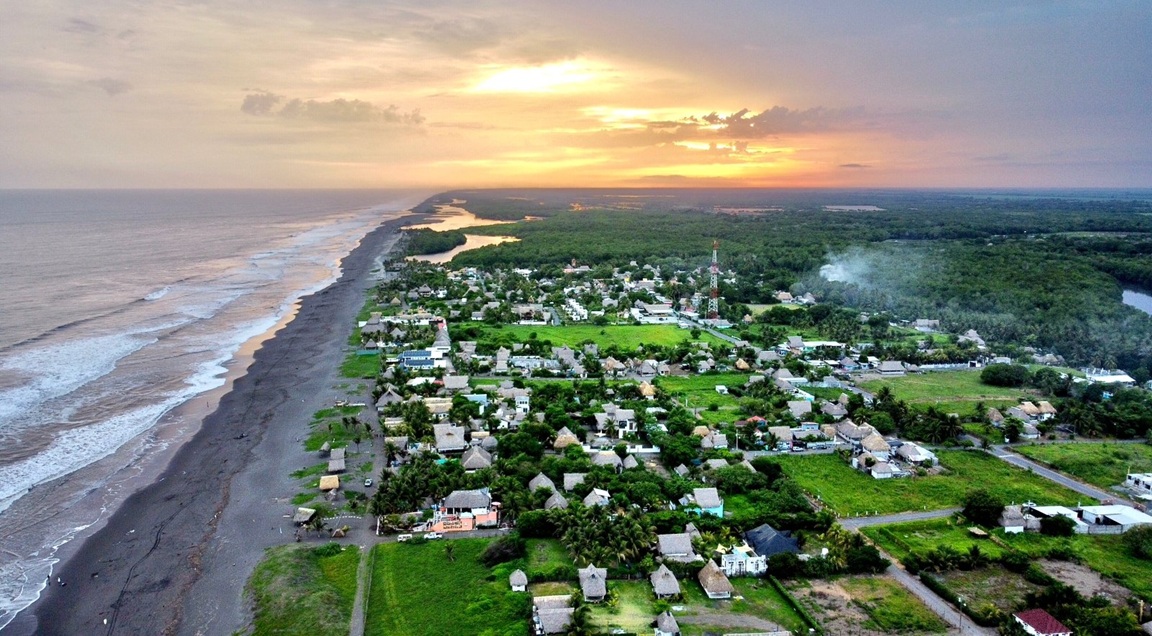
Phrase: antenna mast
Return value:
(714, 296)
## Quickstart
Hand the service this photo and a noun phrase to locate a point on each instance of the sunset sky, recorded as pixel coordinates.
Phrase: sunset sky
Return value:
(446, 93)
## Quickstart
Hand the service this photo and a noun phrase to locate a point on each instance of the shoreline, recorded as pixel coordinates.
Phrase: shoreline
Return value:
(140, 568)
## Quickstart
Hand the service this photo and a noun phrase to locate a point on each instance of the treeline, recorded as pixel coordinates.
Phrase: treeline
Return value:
(425, 241)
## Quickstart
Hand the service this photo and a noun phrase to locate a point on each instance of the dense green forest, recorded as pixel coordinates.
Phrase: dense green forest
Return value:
(425, 241)
(1044, 271)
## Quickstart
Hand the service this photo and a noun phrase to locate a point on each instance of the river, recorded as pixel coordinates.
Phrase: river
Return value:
(454, 217)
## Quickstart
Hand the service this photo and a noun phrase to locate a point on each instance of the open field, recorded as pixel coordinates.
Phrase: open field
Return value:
(358, 365)
(700, 390)
(417, 591)
(1101, 464)
(950, 391)
(890, 607)
(305, 590)
(992, 585)
(634, 610)
(899, 539)
(851, 492)
(545, 555)
(623, 336)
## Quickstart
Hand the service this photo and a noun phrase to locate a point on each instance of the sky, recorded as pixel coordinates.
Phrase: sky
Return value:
(575, 93)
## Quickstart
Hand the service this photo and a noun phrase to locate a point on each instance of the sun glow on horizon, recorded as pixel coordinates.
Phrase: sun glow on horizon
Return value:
(548, 78)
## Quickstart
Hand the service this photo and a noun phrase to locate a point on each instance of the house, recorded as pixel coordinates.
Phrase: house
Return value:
(716, 585)
(593, 583)
(1139, 483)
(709, 501)
(556, 501)
(666, 625)
(464, 510)
(915, 454)
(609, 459)
(1124, 517)
(564, 438)
(551, 614)
(714, 441)
(449, 438)
(768, 541)
(1012, 520)
(541, 481)
(1037, 622)
(455, 383)
(891, 368)
(877, 446)
(518, 581)
(476, 458)
(681, 470)
(676, 547)
(388, 398)
(329, 482)
(882, 470)
(664, 583)
(800, 409)
(571, 480)
(742, 560)
(783, 437)
(598, 497)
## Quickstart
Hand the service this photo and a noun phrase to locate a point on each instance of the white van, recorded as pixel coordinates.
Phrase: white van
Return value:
(432, 535)
(403, 537)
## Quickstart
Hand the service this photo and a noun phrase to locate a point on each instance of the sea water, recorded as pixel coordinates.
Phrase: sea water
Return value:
(118, 306)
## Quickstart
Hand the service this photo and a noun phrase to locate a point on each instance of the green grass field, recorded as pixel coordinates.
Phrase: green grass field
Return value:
(633, 613)
(950, 391)
(900, 539)
(1101, 464)
(700, 390)
(993, 585)
(623, 336)
(545, 555)
(360, 366)
(850, 492)
(297, 591)
(890, 607)
(417, 591)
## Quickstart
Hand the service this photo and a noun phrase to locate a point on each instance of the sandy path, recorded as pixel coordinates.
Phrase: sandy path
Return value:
(174, 558)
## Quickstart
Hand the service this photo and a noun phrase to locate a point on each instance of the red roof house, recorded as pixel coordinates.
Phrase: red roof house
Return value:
(1040, 623)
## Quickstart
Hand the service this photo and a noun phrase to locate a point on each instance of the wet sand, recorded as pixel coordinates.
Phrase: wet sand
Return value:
(173, 559)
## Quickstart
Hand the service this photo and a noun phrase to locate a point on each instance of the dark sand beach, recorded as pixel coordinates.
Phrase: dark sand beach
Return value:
(174, 558)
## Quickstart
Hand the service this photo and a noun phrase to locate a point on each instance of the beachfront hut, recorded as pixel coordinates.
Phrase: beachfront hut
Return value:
(593, 583)
(664, 583)
(518, 581)
(329, 482)
(716, 585)
(303, 516)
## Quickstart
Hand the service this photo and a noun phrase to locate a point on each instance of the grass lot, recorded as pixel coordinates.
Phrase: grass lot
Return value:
(623, 336)
(898, 539)
(850, 492)
(327, 426)
(360, 366)
(762, 600)
(700, 390)
(1100, 464)
(950, 391)
(890, 607)
(992, 585)
(633, 612)
(545, 555)
(1105, 554)
(417, 591)
(298, 591)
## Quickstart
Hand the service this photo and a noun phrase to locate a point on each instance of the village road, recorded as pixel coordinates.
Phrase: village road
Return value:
(855, 523)
(939, 606)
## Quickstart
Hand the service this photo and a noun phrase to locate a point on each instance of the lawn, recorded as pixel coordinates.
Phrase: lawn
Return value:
(357, 365)
(623, 336)
(545, 555)
(850, 492)
(764, 601)
(951, 391)
(700, 390)
(634, 611)
(417, 591)
(304, 590)
(1100, 464)
(890, 607)
(898, 539)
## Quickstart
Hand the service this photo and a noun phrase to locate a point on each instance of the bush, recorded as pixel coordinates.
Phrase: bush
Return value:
(1139, 541)
(1057, 526)
(504, 549)
(328, 550)
(982, 507)
(1010, 375)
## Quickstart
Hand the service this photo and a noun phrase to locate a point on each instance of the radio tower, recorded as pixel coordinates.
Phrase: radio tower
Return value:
(714, 296)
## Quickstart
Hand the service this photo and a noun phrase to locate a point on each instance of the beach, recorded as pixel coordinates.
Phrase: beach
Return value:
(174, 558)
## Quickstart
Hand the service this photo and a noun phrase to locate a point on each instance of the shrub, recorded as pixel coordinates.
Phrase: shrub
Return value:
(1010, 375)
(502, 550)
(1057, 526)
(1139, 541)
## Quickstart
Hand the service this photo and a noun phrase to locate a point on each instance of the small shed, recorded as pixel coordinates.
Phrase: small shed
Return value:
(329, 482)
(303, 516)
(518, 581)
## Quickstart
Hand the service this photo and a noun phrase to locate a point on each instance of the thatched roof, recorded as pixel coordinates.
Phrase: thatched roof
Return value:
(518, 579)
(713, 580)
(541, 481)
(664, 582)
(329, 482)
(593, 582)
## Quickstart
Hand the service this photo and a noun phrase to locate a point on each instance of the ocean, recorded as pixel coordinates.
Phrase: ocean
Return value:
(117, 307)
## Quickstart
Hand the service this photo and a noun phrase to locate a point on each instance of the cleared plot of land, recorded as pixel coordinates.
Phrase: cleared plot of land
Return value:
(900, 539)
(304, 590)
(416, 590)
(951, 391)
(850, 492)
(623, 336)
(1101, 464)
(700, 390)
(546, 556)
(992, 585)
(890, 607)
(865, 606)
(633, 611)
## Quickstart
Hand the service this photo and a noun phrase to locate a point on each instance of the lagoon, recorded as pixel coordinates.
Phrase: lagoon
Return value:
(1139, 300)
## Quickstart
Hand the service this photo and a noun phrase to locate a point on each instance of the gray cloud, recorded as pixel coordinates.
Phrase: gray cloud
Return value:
(341, 110)
(778, 120)
(111, 86)
(77, 25)
(855, 165)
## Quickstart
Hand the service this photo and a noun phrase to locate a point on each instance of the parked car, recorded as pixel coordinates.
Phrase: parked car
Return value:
(403, 537)
(368, 483)
(433, 535)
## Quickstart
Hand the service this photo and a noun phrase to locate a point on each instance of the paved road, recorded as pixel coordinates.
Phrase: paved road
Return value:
(1004, 453)
(855, 523)
(939, 606)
